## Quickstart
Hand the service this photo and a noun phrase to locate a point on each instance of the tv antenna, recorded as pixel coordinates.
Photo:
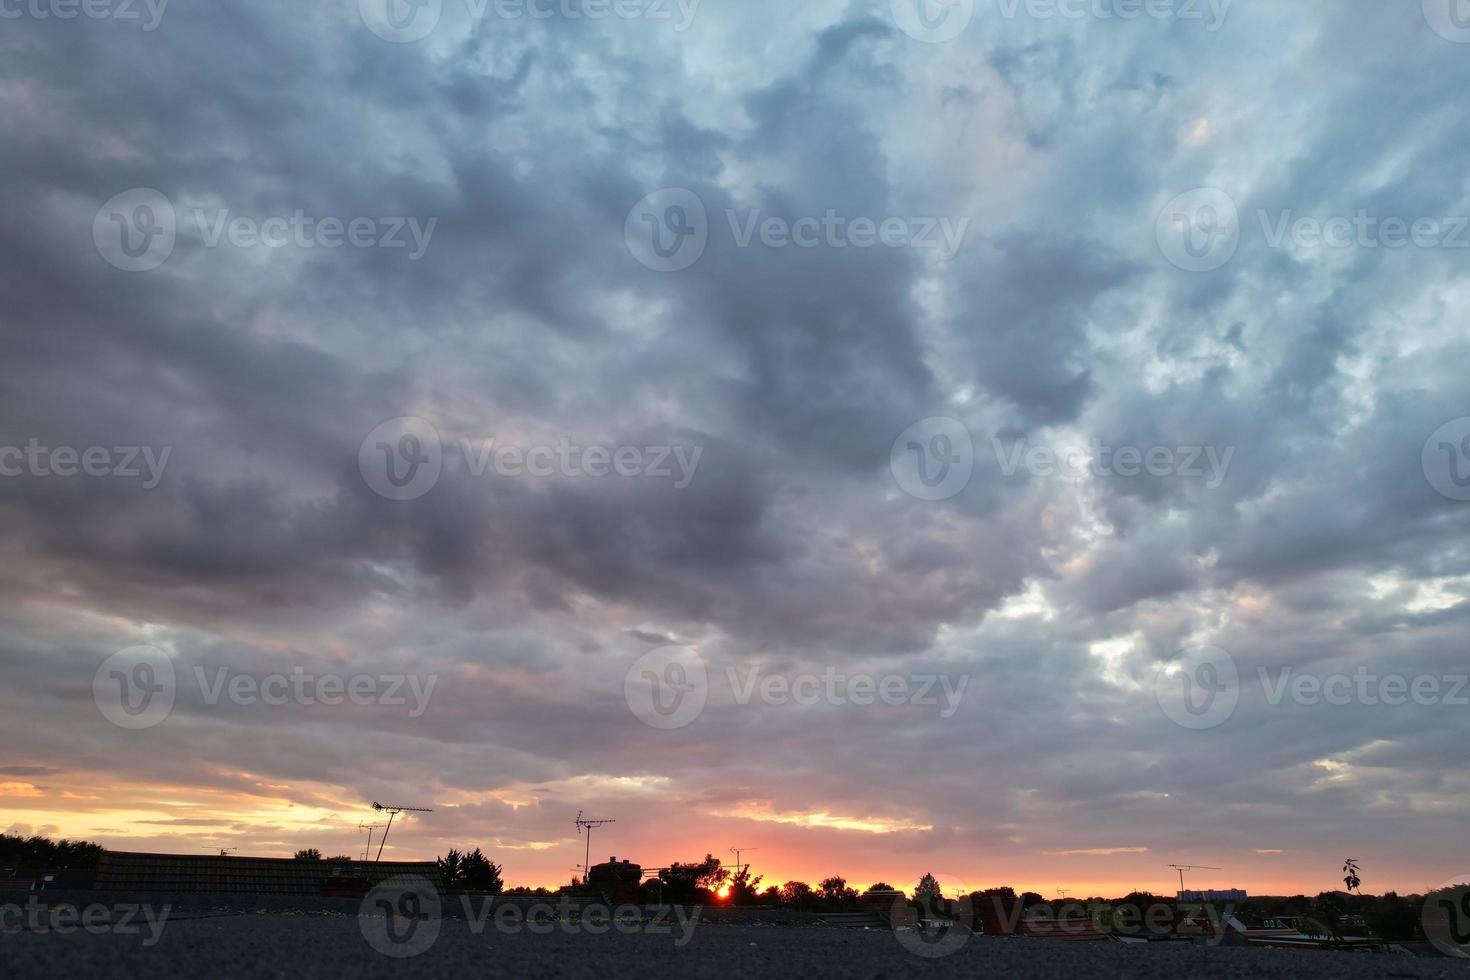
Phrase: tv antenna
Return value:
(1181, 868)
(589, 824)
(369, 828)
(736, 851)
(392, 812)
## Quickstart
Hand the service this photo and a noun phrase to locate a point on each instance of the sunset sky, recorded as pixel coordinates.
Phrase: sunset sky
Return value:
(794, 384)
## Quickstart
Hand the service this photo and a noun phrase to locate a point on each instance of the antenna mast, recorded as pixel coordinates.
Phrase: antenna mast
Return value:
(392, 812)
(736, 851)
(589, 824)
(369, 827)
(1181, 868)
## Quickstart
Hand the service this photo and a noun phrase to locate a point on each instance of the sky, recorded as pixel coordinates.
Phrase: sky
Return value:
(1023, 442)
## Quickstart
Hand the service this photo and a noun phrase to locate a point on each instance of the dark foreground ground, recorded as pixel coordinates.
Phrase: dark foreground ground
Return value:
(332, 945)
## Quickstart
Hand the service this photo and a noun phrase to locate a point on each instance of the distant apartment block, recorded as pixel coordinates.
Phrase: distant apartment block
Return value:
(1219, 895)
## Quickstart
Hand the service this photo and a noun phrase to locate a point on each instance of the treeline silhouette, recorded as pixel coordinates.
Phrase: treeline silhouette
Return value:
(1391, 916)
(41, 852)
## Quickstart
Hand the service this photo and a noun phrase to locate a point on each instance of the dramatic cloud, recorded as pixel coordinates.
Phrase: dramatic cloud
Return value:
(973, 382)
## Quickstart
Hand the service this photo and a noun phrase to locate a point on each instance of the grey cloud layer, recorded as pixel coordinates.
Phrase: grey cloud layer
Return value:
(794, 369)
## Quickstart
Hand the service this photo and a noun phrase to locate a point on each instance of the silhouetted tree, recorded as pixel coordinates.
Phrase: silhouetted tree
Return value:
(797, 894)
(41, 852)
(928, 889)
(309, 854)
(835, 894)
(471, 872)
(482, 874)
(744, 890)
(1350, 875)
(687, 883)
(450, 866)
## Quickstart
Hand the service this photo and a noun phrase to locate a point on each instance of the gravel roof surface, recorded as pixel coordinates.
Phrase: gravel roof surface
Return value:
(197, 944)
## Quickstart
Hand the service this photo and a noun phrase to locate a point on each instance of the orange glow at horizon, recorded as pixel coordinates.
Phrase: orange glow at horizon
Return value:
(259, 818)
